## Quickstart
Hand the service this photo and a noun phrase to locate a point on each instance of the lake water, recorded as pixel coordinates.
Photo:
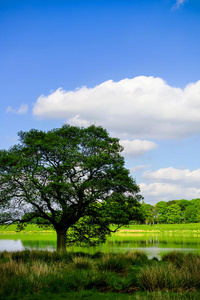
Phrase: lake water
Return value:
(154, 245)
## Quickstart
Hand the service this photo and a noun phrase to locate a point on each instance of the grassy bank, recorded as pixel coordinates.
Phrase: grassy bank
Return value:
(31, 274)
(163, 228)
(34, 229)
(29, 229)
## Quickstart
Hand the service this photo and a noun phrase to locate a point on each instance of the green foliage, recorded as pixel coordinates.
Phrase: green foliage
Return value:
(190, 214)
(72, 179)
(161, 210)
(173, 214)
(147, 212)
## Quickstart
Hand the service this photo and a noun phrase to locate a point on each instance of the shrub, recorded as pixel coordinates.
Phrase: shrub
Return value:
(159, 277)
(137, 257)
(188, 265)
(175, 257)
(80, 262)
(113, 262)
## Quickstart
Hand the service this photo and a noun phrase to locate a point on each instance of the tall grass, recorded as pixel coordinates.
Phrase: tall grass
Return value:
(159, 277)
(178, 272)
(43, 271)
(32, 272)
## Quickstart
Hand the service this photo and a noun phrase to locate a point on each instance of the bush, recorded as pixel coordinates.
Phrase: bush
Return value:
(45, 256)
(159, 277)
(137, 257)
(175, 257)
(113, 262)
(80, 262)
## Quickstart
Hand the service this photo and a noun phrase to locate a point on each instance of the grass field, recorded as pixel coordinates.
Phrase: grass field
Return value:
(34, 229)
(163, 227)
(28, 229)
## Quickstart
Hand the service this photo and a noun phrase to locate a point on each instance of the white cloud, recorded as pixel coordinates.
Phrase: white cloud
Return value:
(139, 168)
(136, 148)
(172, 175)
(170, 184)
(76, 121)
(158, 191)
(22, 110)
(142, 107)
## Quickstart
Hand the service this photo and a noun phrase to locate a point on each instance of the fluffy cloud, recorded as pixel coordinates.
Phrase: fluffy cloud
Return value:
(170, 183)
(158, 191)
(142, 107)
(171, 175)
(136, 148)
(21, 111)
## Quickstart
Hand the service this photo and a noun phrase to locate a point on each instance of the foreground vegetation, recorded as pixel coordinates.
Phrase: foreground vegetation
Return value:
(53, 275)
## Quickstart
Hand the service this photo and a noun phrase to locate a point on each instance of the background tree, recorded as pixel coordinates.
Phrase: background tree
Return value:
(161, 210)
(196, 203)
(184, 206)
(170, 202)
(173, 214)
(190, 214)
(147, 213)
(72, 179)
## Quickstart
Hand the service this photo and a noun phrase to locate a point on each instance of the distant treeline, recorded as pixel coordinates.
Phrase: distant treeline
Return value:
(171, 212)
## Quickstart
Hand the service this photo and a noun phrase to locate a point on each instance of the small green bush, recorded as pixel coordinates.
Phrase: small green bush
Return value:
(159, 277)
(137, 257)
(113, 262)
(80, 262)
(175, 257)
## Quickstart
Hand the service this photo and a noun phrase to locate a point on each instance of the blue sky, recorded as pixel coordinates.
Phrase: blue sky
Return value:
(130, 66)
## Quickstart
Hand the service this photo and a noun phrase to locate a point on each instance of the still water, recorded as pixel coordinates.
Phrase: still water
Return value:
(153, 244)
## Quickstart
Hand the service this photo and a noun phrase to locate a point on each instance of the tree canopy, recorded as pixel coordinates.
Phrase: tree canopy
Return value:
(71, 178)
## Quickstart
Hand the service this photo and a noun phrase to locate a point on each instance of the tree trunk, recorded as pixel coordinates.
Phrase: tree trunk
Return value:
(61, 239)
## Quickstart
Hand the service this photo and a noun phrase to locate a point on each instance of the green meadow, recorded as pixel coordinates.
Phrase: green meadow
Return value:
(33, 229)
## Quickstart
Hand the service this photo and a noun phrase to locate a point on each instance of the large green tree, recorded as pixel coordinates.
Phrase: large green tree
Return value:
(161, 211)
(73, 179)
(190, 214)
(147, 213)
(173, 214)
